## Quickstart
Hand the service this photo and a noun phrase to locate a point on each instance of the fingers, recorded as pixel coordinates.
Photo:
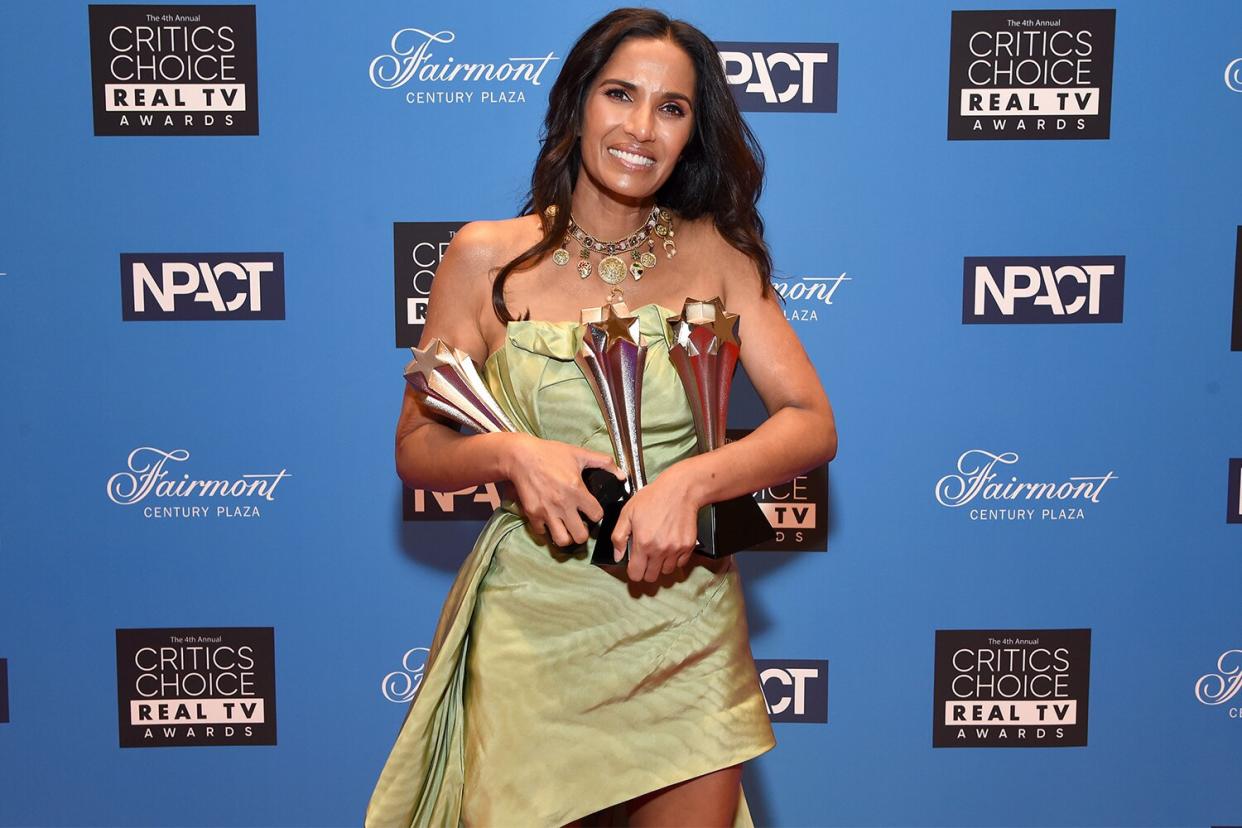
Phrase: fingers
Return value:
(621, 536)
(590, 507)
(599, 460)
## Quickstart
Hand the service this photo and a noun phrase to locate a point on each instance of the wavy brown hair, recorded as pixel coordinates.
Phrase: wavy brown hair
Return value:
(720, 173)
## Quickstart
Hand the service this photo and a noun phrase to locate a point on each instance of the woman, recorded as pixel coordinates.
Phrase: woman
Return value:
(556, 690)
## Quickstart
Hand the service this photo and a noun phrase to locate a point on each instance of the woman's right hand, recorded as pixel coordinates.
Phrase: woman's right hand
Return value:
(547, 477)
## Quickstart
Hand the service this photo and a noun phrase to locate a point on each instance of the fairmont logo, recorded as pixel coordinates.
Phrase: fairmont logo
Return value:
(1011, 688)
(174, 70)
(202, 286)
(1042, 289)
(400, 686)
(1233, 75)
(806, 296)
(795, 690)
(977, 481)
(1031, 74)
(781, 77)
(1218, 688)
(149, 476)
(414, 60)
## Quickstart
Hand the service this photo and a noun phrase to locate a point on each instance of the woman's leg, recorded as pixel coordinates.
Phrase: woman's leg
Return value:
(707, 801)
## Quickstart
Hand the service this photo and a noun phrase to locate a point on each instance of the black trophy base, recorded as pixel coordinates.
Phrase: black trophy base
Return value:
(612, 494)
(731, 526)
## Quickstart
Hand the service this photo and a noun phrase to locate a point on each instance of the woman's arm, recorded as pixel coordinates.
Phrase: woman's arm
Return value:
(800, 432)
(431, 453)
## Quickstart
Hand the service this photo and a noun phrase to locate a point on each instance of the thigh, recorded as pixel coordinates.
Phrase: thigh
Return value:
(708, 801)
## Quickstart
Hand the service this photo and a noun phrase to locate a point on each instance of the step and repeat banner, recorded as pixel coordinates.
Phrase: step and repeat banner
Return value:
(1010, 239)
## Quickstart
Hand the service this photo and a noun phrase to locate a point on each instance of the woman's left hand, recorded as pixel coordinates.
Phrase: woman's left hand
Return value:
(661, 523)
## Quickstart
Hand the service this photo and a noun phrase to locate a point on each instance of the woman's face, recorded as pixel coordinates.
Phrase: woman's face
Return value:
(638, 116)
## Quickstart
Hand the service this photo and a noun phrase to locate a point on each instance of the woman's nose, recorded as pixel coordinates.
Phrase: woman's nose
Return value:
(640, 123)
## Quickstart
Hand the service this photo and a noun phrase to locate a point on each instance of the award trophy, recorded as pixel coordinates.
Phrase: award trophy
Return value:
(704, 351)
(448, 383)
(446, 380)
(612, 356)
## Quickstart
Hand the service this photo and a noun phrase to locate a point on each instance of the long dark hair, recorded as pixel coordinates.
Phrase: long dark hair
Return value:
(720, 172)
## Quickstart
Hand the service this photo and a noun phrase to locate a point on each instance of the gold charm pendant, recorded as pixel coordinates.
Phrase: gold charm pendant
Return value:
(561, 257)
(612, 270)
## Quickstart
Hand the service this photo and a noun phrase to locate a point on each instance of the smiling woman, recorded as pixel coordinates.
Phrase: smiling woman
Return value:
(557, 692)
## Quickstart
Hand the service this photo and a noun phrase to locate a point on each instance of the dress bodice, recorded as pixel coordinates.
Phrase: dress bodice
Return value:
(543, 390)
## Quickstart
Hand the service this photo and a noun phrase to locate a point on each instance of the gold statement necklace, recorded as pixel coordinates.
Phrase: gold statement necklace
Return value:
(612, 267)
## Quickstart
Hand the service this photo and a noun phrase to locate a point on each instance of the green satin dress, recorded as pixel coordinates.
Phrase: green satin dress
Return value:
(554, 688)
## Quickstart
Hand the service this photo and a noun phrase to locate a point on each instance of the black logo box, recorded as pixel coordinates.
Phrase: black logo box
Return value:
(1112, 292)
(782, 75)
(416, 249)
(1233, 513)
(4, 690)
(186, 308)
(261, 640)
(814, 690)
(1237, 293)
(1078, 685)
(1100, 22)
(103, 18)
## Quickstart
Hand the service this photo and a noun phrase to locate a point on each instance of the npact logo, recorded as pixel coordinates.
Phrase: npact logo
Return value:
(202, 286)
(1042, 289)
(781, 77)
(795, 690)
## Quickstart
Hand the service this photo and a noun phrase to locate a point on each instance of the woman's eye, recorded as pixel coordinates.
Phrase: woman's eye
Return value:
(613, 93)
(674, 109)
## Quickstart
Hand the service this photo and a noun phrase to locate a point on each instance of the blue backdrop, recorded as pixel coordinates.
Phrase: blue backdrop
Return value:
(875, 191)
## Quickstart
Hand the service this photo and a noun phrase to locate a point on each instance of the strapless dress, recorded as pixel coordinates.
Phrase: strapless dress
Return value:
(554, 688)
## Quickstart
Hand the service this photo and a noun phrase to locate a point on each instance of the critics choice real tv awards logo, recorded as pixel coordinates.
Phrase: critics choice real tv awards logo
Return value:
(202, 286)
(781, 77)
(202, 686)
(1031, 74)
(417, 248)
(797, 509)
(1042, 289)
(1011, 688)
(794, 690)
(174, 70)
(151, 480)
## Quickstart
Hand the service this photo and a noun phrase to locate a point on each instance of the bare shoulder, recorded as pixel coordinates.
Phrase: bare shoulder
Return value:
(738, 281)
(459, 308)
(489, 244)
(460, 301)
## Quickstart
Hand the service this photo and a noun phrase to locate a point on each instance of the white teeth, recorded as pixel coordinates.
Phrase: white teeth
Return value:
(632, 158)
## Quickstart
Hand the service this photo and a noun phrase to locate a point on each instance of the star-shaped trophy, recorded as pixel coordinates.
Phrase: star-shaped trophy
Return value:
(447, 382)
(704, 350)
(612, 356)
